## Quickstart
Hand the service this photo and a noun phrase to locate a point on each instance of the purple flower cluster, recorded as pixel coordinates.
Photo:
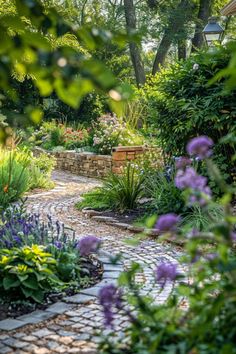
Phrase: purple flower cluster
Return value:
(16, 227)
(166, 272)
(20, 228)
(189, 178)
(182, 162)
(200, 147)
(87, 245)
(167, 223)
(110, 297)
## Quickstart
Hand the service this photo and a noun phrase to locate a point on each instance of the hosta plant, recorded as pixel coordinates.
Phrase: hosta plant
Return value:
(27, 273)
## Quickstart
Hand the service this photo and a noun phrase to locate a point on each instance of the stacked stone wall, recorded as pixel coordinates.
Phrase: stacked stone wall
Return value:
(92, 165)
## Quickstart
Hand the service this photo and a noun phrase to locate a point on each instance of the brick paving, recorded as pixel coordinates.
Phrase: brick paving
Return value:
(77, 329)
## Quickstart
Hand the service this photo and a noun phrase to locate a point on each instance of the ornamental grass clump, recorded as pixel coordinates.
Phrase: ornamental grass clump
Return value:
(205, 321)
(14, 175)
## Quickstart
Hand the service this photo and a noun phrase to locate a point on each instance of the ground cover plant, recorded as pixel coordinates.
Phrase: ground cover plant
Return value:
(41, 261)
(205, 321)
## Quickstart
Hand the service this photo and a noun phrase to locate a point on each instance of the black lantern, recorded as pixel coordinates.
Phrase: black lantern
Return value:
(213, 32)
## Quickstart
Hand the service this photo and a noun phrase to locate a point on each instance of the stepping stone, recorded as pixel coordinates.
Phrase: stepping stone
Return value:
(58, 308)
(79, 299)
(10, 324)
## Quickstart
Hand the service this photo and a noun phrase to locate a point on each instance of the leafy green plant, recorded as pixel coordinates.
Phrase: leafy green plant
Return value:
(134, 114)
(14, 175)
(56, 136)
(165, 197)
(198, 219)
(95, 199)
(27, 272)
(181, 104)
(199, 314)
(110, 131)
(119, 192)
(40, 171)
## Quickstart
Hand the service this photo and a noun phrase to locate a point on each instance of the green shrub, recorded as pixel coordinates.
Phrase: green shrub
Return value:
(181, 104)
(165, 196)
(14, 175)
(40, 171)
(27, 273)
(110, 131)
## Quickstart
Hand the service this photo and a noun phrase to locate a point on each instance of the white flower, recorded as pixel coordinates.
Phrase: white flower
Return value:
(195, 66)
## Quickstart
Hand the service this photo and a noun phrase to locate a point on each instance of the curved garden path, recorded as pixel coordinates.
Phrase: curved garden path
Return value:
(75, 331)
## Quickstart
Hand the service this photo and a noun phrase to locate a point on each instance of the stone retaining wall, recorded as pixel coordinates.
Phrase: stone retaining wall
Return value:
(93, 165)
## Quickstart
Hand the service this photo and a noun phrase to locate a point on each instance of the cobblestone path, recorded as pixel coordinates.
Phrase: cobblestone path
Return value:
(76, 330)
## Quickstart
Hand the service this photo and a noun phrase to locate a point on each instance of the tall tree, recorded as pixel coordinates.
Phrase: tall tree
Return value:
(204, 12)
(135, 54)
(174, 31)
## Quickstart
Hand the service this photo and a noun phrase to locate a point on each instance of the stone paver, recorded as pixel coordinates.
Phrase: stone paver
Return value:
(75, 327)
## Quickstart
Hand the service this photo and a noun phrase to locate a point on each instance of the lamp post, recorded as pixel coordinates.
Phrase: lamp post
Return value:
(213, 32)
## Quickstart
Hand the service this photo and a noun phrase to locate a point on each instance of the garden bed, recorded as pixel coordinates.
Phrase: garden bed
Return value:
(18, 308)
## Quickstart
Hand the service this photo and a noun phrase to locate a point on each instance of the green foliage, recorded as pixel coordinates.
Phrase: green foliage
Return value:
(68, 268)
(52, 134)
(14, 176)
(199, 315)
(182, 104)
(201, 219)
(119, 192)
(27, 273)
(229, 71)
(110, 131)
(95, 199)
(56, 136)
(125, 189)
(40, 171)
(58, 61)
(20, 171)
(165, 197)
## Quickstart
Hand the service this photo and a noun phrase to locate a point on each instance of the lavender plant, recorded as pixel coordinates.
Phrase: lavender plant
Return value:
(205, 322)
(19, 229)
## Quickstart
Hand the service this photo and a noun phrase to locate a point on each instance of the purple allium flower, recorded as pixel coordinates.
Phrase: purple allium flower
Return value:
(167, 222)
(191, 179)
(88, 244)
(182, 162)
(200, 147)
(166, 272)
(110, 296)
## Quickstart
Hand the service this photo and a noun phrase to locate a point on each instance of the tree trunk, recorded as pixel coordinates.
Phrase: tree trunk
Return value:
(175, 25)
(182, 49)
(204, 12)
(135, 55)
(162, 51)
